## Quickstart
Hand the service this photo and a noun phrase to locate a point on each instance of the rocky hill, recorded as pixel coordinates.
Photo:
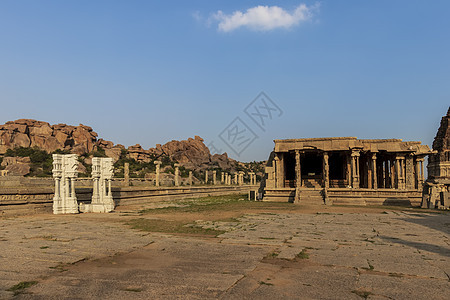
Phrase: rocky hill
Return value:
(18, 136)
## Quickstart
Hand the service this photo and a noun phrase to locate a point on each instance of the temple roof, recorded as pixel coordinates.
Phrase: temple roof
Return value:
(349, 143)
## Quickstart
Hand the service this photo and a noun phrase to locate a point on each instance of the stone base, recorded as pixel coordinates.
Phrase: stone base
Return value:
(345, 196)
(69, 206)
(279, 195)
(96, 208)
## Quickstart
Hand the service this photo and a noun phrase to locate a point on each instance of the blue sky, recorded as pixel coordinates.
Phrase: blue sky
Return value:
(151, 71)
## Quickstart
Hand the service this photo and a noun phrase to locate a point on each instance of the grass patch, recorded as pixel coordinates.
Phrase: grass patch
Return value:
(157, 225)
(265, 283)
(267, 238)
(272, 255)
(136, 290)
(21, 286)
(44, 247)
(218, 203)
(362, 294)
(302, 254)
(61, 267)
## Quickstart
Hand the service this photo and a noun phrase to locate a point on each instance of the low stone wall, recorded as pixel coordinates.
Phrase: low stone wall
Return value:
(375, 197)
(32, 200)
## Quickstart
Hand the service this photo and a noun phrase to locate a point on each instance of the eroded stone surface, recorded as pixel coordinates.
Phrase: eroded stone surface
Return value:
(399, 255)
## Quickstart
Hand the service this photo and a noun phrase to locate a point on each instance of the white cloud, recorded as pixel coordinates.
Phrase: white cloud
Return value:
(264, 18)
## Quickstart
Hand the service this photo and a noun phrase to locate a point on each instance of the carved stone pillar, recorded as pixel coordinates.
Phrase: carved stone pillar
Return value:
(281, 171)
(190, 177)
(206, 177)
(177, 174)
(298, 175)
(158, 166)
(241, 178)
(326, 171)
(72, 187)
(348, 170)
(387, 177)
(298, 169)
(222, 178)
(355, 169)
(417, 173)
(421, 174)
(126, 174)
(392, 178)
(326, 176)
(67, 187)
(56, 188)
(65, 170)
(252, 177)
(374, 168)
(277, 171)
(102, 173)
(400, 172)
(410, 181)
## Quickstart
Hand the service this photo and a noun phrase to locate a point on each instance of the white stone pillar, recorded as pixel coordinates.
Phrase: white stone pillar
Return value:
(102, 199)
(206, 177)
(126, 174)
(241, 178)
(72, 185)
(214, 177)
(57, 188)
(65, 170)
(158, 166)
(177, 174)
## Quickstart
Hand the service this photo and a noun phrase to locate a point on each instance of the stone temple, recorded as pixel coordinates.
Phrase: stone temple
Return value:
(345, 170)
(436, 188)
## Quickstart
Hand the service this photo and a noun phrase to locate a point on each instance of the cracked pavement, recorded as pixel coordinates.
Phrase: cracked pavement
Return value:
(322, 255)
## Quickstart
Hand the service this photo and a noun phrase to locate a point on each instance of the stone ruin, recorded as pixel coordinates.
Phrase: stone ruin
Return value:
(437, 187)
(65, 172)
(102, 174)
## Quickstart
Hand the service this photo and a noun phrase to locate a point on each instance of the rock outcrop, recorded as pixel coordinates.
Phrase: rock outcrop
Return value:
(191, 153)
(31, 133)
(17, 166)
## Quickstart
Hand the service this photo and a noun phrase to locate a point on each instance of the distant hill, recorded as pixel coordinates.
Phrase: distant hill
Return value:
(37, 140)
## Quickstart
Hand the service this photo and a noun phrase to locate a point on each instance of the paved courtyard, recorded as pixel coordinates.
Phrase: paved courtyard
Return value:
(323, 254)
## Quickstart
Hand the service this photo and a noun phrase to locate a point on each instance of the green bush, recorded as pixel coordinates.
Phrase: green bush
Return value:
(100, 152)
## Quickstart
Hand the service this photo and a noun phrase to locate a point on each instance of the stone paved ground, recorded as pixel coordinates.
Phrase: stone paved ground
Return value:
(382, 255)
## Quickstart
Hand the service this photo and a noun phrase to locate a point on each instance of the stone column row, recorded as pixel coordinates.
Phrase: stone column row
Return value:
(419, 172)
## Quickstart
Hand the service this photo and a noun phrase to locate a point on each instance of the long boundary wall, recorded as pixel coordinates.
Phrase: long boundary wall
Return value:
(33, 200)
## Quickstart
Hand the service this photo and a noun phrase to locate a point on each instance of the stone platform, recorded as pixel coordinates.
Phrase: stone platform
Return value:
(323, 254)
